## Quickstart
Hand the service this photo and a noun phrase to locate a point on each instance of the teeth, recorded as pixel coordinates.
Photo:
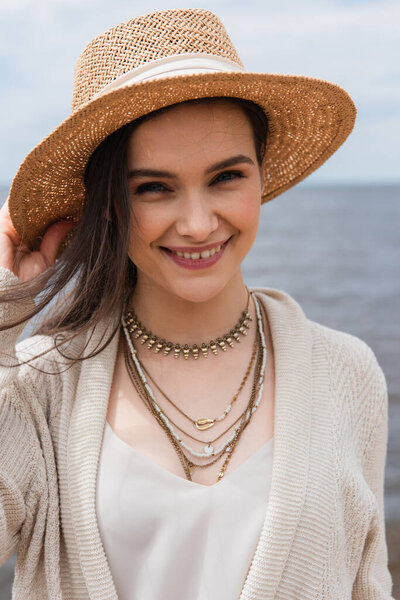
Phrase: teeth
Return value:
(197, 255)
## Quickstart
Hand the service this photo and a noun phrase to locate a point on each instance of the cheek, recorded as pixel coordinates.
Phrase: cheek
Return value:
(246, 214)
(144, 228)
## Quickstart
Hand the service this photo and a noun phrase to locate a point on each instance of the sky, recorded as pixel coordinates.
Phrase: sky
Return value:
(354, 43)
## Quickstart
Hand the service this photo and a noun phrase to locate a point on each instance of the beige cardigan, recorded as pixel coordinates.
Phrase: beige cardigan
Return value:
(323, 536)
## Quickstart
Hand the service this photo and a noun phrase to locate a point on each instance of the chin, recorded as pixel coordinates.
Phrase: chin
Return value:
(198, 292)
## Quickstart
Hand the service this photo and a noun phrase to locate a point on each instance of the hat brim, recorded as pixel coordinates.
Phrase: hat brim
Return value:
(308, 120)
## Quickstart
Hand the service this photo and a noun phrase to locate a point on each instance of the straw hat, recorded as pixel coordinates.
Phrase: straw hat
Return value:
(154, 61)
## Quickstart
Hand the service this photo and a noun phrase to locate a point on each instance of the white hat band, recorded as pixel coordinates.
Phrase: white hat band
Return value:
(177, 64)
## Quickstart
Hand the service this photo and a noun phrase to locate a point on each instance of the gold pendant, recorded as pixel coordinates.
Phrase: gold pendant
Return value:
(204, 424)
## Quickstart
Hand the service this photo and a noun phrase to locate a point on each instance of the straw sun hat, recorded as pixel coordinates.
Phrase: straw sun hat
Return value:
(154, 61)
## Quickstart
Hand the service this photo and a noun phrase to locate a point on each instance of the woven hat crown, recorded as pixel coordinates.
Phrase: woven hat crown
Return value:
(136, 42)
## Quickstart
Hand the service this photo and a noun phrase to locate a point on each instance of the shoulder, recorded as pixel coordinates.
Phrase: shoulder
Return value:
(348, 357)
(347, 377)
(347, 351)
(357, 383)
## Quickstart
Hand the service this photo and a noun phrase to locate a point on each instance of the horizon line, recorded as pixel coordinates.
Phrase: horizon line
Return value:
(315, 184)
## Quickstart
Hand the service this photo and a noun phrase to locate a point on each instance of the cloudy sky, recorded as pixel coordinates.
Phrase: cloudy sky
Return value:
(355, 44)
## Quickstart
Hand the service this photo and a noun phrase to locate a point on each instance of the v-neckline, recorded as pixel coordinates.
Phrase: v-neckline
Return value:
(166, 473)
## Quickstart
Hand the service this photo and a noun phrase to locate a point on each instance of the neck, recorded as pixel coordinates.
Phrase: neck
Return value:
(179, 320)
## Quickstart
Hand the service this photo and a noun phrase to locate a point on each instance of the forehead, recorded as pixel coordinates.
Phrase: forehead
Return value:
(190, 129)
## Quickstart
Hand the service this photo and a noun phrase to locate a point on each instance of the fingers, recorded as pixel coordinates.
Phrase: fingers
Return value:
(7, 226)
(53, 238)
(14, 251)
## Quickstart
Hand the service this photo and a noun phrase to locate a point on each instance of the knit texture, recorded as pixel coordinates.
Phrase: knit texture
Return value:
(323, 537)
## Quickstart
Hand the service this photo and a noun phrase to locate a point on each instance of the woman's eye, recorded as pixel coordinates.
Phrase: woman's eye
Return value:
(228, 176)
(151, 187)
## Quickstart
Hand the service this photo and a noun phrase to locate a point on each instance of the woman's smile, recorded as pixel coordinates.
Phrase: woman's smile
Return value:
(196, 258)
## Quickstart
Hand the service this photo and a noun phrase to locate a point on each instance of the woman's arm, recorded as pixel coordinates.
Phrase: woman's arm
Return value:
(373, 581)
(20, 483)
(22, 480)
(23, 399)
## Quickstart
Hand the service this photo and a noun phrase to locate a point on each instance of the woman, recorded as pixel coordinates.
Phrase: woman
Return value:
(169, 433)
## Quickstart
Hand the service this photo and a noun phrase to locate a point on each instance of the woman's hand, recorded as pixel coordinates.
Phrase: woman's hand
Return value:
(17, 256)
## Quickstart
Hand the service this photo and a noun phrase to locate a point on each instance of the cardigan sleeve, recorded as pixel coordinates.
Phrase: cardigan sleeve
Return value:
(22, 485)
(373, 580)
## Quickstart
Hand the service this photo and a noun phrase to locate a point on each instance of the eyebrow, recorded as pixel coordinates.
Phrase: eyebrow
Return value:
(223, 164)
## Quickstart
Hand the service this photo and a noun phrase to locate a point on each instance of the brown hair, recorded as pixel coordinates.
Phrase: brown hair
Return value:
(96, 265)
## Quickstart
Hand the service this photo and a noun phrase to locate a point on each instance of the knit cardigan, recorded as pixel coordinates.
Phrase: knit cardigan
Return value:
(323, 537)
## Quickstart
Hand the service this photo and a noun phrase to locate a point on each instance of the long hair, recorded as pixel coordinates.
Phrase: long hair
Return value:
(94, 276)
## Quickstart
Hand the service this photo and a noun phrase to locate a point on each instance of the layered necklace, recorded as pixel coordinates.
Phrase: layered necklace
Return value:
(140, 378)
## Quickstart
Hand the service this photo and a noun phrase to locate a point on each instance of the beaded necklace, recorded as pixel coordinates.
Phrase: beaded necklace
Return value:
(209, 450)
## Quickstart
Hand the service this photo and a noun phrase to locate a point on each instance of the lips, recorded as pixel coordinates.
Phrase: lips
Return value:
(196, 249)
(197, 255)
(196, 258)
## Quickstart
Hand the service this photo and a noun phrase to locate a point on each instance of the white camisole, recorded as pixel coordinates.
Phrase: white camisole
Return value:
(166, 537)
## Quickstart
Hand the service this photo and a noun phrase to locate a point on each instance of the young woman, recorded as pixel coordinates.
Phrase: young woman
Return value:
(167, 432)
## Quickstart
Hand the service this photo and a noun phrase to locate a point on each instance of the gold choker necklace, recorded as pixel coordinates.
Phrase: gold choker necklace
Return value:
(143, 335)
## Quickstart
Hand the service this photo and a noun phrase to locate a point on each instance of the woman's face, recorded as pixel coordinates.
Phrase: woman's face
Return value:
(195, 188)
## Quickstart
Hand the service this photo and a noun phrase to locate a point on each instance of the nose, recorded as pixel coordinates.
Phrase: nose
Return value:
(197, 218)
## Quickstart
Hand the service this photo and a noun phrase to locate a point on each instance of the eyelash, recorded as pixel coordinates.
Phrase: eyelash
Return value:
(144, 187)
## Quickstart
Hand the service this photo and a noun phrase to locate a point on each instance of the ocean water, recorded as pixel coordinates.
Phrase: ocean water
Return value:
(336, 250)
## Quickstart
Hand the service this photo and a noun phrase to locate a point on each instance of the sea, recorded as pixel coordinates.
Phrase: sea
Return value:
(336, 251)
